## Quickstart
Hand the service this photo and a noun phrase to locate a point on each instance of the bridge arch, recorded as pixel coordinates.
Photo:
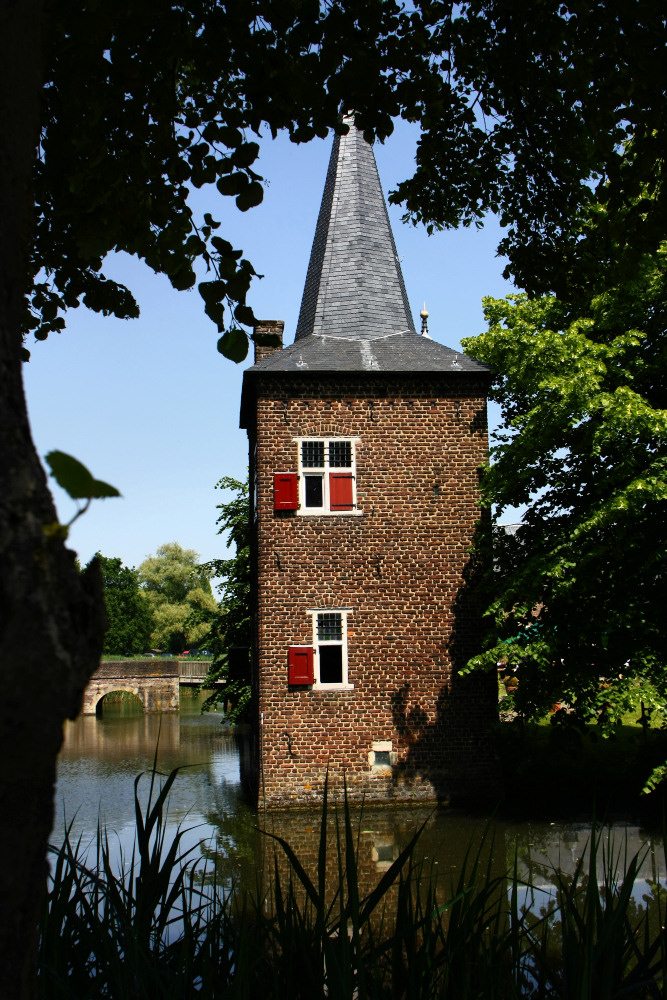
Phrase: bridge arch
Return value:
(155, 682)
(120, 687)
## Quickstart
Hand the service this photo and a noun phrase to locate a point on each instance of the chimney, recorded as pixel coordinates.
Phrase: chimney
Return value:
(268, 337)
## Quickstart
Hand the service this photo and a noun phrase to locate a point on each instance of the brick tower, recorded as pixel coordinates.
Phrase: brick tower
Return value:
(366, 439)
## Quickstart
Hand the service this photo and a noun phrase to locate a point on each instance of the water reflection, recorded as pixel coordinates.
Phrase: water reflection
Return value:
(101, 758)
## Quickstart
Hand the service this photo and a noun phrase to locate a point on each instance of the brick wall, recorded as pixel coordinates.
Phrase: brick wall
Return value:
(401, 566)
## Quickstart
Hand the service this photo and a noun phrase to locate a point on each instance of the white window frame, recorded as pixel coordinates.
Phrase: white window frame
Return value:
(344, 684)
(324, 470)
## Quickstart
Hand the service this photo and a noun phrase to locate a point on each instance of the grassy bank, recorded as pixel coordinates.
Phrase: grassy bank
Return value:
(117, 658)
(158, 925)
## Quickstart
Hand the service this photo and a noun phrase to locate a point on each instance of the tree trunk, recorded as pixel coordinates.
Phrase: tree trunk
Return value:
(51, 618)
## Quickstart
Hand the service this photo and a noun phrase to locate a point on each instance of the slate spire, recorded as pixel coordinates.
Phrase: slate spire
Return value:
(354, 314)
(354, 287)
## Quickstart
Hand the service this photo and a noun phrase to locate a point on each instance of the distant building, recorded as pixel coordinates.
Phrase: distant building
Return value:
(366, 439)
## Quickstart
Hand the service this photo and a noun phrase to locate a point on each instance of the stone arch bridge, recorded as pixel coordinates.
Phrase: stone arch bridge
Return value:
(155, 682)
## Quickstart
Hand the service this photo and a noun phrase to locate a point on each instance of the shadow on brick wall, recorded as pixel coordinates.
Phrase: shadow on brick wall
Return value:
(455, 750)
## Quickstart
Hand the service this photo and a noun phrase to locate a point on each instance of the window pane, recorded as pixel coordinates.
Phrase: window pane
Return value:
(329, 627)
(314, 491)
(331, 664)
(340, 454)
(312, 454)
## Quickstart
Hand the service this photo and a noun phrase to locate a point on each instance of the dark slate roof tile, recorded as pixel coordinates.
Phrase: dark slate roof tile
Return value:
(400, 352)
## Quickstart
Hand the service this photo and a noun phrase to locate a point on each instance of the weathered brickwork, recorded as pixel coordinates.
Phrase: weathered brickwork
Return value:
(399, 564)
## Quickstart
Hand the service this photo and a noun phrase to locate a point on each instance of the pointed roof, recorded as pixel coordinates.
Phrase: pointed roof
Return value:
(354, 286)
(355, 314)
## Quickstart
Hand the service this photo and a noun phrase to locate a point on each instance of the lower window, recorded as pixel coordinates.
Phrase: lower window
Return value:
(330, 646)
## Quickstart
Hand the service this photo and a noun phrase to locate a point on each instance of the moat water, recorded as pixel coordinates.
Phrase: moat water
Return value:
(102, 757)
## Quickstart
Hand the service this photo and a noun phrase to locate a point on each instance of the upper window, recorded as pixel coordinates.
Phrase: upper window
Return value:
(327, 480)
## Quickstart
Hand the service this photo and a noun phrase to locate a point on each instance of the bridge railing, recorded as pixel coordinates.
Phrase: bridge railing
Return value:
(193, 670)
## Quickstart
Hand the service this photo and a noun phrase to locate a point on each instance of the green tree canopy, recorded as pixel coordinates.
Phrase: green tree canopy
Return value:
(230, 626)
(552, 116)
(174, 96)
(178, 590)
(130, 618)
(577, 595)
(234, 574)
(173, 572)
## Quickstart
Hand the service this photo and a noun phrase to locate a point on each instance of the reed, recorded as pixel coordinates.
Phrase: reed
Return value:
(157, 924)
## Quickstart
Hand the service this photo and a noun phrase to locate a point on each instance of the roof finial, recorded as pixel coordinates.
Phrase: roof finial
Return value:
(424, 316)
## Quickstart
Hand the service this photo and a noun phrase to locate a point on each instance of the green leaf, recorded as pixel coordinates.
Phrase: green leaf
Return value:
(102, 490)
(194, 245)
(216, 312)
(234, 344)
(233, 184)
(72, 476)
(56, 530)
(246, 154)
(50, 309)
(227, 267)
(238, 286)
(245, 315)
(182, 279)
(250, 197)
(212, 291)
(230, 136)
(224, 247)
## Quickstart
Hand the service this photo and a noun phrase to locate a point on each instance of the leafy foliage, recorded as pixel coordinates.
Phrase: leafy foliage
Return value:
(130, 618)
(576, 596)
(178, 589)
(174, 96)
(173, 572)
(655, 778)
(231, 625)
(565, 144)
(552, 116)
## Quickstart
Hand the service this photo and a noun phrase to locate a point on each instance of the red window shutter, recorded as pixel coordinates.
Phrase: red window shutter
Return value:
(285, 491)
(300, 665)
(340, 491)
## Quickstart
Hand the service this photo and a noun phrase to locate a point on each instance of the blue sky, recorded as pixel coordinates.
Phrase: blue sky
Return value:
(151, 407)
